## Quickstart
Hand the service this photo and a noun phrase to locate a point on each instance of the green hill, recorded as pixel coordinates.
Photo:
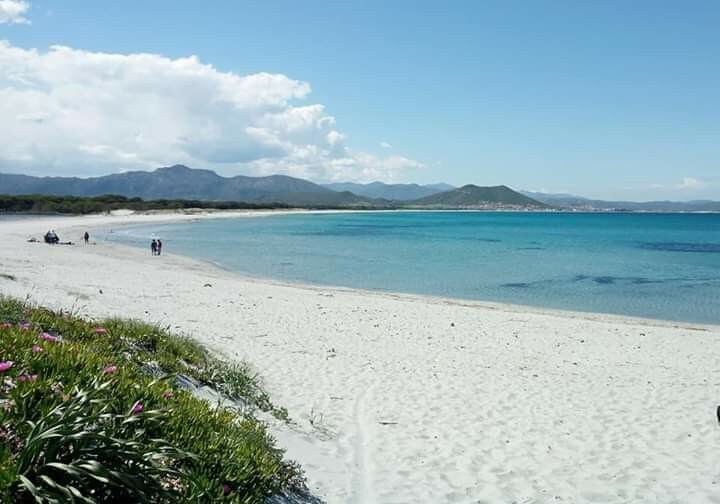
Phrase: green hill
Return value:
(389, 192)
(472, 196)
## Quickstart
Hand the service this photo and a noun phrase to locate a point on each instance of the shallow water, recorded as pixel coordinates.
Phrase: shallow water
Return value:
(664, 266)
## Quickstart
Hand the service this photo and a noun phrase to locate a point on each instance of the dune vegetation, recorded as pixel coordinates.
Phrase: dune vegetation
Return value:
(79, 205)
(109, 411)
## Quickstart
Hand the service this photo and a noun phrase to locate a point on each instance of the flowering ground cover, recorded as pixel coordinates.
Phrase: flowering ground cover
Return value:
(97, 412)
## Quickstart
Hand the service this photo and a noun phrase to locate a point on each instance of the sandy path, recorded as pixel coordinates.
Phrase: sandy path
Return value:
(403, 399)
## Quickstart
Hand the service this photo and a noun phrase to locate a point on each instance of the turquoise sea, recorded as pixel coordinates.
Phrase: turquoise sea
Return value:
(664, 266)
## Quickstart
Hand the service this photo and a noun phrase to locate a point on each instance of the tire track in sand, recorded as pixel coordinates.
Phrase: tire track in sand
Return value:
(361, 480)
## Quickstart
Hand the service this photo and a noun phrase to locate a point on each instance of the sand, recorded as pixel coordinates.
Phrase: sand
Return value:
(406, 399)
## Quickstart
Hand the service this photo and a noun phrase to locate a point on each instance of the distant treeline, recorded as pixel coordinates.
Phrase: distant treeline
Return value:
(35, 203)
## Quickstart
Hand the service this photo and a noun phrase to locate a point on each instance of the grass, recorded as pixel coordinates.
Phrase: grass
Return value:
(92, 412)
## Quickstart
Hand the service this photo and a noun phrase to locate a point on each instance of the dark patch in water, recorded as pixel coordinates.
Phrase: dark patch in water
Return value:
(611, 280)
(459, 238)
(389, 226)
(531, 248)
(599, 280)
(644, 281)
(287, 264)
(340, 232)
(713, 248)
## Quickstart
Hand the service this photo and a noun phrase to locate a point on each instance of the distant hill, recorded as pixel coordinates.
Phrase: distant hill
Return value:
(442, 187)
(181, 182)
(579, 203)
(472, 196)
(391, 192)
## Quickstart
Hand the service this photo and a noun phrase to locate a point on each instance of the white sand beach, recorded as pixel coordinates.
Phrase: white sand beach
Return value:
(411, 399)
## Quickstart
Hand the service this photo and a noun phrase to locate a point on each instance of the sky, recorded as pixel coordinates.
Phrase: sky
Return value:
(606, 99)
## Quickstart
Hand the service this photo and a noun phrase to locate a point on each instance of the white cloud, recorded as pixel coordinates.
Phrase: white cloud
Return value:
(69, 111)
(335, 137)
(687, 183)
(690, 183)
(385, 145)
(13, 11)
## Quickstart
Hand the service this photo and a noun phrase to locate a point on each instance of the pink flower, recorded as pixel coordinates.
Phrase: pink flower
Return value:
(25, 325)
(100, 330)
(27, 378)
(168, 394)
(6, 325)
(137, 408)
(48, 337)
(5, 365)
(110, 370)
(37, 349)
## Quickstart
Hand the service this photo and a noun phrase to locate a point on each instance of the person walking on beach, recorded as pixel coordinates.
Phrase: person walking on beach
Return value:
(86, 237)
(159, 246)
(153, 247)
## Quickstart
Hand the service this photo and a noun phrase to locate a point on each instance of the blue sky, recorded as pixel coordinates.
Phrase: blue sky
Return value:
(607, 99)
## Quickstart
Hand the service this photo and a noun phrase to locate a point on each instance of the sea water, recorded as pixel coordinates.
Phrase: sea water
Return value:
(664, 266)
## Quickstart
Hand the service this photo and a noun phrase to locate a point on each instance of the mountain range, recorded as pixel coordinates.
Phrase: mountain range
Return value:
(570, 201)
(181, 182)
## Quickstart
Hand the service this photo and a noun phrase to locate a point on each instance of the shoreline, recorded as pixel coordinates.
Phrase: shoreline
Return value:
(408, 296)
(508, 308)
(410, 398)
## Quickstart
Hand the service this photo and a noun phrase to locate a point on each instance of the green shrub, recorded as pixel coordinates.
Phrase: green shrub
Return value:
(81, 451)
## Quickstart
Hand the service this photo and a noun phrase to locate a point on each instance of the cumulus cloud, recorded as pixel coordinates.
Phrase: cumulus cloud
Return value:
(69, 111)
(385, 145)
(335, 137)
(13, 11)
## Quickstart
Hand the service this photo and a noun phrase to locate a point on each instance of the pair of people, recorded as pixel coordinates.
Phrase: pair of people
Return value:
(51, 237)
(156, 247)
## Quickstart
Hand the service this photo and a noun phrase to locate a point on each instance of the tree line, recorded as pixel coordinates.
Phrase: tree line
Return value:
(39, 203)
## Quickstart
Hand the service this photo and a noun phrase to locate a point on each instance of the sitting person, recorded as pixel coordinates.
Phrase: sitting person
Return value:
(51, 237)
